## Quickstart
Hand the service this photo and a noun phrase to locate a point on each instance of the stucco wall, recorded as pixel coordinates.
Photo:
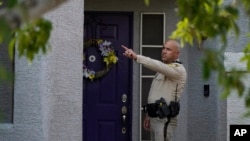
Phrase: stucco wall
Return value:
(64, 73)
(205, 114)
(48, 92)
(235, 104)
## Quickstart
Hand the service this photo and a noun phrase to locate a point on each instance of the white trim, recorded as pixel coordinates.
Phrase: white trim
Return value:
(140, 85)
(151, 46)
(147, 76)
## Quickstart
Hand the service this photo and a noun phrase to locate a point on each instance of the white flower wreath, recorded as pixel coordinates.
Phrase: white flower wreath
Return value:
(108, 54)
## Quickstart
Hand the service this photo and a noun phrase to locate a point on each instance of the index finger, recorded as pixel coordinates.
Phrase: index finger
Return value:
(126, 48)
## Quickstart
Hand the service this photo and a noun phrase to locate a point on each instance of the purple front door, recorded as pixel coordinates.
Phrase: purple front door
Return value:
(107, 101)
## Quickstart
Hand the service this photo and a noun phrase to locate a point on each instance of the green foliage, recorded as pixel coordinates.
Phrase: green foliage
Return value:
(5, 31)
(213, 60)
(246, 57)
(5, 75)
(195, 14)
(11, 3)
(219, 19)
(186, 32)
(147, 2)
(31, 38)
(246, 4)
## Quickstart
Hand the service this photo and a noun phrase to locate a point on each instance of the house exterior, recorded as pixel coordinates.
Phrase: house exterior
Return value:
(52, 101)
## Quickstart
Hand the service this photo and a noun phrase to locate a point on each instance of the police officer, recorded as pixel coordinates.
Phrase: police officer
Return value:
(168, 83)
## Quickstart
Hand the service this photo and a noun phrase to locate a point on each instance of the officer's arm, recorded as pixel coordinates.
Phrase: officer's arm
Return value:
(170, 70)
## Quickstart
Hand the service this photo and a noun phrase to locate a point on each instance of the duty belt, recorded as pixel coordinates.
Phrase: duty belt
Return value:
(151, 109)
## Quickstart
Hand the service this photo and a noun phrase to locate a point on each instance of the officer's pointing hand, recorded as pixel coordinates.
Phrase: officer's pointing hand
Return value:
(129, 53)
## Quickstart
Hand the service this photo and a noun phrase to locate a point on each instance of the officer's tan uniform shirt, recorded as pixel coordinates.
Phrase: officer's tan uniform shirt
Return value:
(167, 79)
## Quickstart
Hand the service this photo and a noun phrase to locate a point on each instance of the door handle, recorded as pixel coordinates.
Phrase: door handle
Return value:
(124, 111)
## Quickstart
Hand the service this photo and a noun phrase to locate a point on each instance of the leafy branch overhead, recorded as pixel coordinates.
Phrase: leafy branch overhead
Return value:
(220, 19)
(31, 38)
(28, 37)
(215, 19)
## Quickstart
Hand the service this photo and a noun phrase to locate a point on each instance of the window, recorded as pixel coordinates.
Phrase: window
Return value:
(152, 38)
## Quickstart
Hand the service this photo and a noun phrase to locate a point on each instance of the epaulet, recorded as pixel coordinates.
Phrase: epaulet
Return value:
(173, 65)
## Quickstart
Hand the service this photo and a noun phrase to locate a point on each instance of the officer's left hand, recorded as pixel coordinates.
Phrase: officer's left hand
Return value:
(146, 123)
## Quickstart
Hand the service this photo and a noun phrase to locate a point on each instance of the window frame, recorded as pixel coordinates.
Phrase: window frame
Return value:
(141, 47)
